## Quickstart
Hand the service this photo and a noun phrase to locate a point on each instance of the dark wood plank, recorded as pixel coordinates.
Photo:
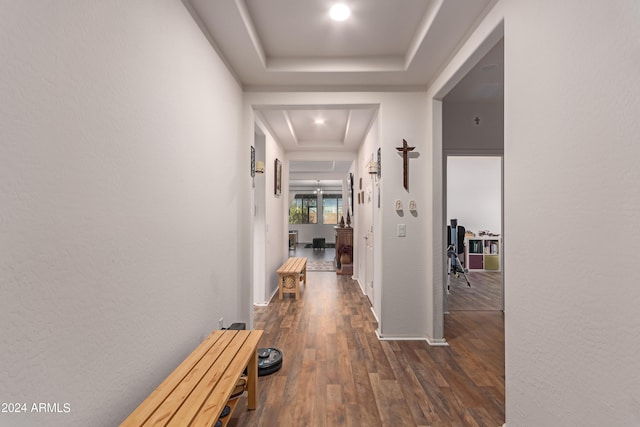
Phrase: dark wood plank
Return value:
(485, 292)
(337, 373)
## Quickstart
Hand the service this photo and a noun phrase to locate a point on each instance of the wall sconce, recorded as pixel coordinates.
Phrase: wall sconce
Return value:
(259, 166)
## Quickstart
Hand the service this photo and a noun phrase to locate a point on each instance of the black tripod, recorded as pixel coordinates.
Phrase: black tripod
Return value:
(456, 266)
(456, 243)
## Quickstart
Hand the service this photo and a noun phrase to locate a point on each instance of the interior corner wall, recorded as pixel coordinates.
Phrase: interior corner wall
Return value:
(365, 209)
(258, 226)
(402, 117)
(571, 198)
(121, 210)
(277, 214)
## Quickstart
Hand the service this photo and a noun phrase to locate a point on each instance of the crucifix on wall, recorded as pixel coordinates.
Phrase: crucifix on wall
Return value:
(405, 162)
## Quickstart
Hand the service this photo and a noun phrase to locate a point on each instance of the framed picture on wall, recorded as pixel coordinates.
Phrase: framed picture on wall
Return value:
(253, 161)
(351, 193)
(278, 177)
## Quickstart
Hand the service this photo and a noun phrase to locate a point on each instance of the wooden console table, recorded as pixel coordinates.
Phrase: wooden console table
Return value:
(344, 236)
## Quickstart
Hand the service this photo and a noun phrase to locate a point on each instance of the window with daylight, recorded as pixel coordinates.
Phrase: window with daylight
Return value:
(304, 209)
(331, 208)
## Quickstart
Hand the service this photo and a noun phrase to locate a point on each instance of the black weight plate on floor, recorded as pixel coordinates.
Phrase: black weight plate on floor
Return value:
(269, 361)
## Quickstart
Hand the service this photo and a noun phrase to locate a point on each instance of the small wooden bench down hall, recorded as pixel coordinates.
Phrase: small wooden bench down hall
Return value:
(289, 276)
(198, 390)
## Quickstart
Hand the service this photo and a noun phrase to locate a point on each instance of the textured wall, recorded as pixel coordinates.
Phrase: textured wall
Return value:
(365, 213)
(277, 215)
(572, 197)
(117, 156)
(474, 192)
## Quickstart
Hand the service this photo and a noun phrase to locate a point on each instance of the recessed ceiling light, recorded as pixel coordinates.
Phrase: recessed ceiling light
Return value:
(339, 12)
(319, 121)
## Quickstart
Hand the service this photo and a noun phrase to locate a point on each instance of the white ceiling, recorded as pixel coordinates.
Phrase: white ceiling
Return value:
(305, 174)
(485, 81)
(293, 45)
(343, 127)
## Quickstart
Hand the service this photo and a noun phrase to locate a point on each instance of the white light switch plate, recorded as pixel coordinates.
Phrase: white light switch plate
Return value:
(402, 230)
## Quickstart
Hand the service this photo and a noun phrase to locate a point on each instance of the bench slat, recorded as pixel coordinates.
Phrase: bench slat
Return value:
(201, 385)
(292, 265)
(187, 388)
(142, 413)
(227, 383)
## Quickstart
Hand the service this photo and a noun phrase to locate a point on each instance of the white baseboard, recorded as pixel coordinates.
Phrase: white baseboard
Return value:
(266, 303)
(394, 338)
(437, 342)
(359, 284)
(375, 315)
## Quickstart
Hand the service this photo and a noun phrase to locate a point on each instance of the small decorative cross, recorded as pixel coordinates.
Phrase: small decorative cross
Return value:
(405, 162)
(477, 120)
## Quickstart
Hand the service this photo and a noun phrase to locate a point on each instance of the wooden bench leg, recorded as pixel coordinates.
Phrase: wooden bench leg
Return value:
(280, 286)
(252, 382)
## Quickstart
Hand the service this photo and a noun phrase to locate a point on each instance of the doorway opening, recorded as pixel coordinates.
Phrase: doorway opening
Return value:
(471, 116)
(319, 200)
(474, 202)
(472, 164)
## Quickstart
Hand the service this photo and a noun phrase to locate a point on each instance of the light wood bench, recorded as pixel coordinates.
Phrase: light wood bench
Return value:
(289, 275)
(196, 392)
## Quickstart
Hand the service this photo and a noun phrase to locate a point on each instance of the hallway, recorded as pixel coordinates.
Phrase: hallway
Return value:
(337, 373)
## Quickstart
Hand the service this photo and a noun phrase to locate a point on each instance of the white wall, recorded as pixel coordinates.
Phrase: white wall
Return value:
(463, 136)
(307, 232)
(277, 214)
(259, 228)
(571, 187)
(474, 192)
(120, 175)
(364, 212)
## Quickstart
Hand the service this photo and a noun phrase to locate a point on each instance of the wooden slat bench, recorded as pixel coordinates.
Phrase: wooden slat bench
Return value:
(289, 276)
(196, 392)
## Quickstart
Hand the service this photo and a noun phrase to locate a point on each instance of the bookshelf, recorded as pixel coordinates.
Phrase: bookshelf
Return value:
(483, 253)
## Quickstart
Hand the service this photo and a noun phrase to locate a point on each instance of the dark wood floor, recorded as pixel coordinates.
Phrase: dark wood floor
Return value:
(337, 373)
(485, 292)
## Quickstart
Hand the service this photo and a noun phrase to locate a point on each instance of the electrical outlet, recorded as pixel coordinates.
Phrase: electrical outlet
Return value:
(221, 323)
